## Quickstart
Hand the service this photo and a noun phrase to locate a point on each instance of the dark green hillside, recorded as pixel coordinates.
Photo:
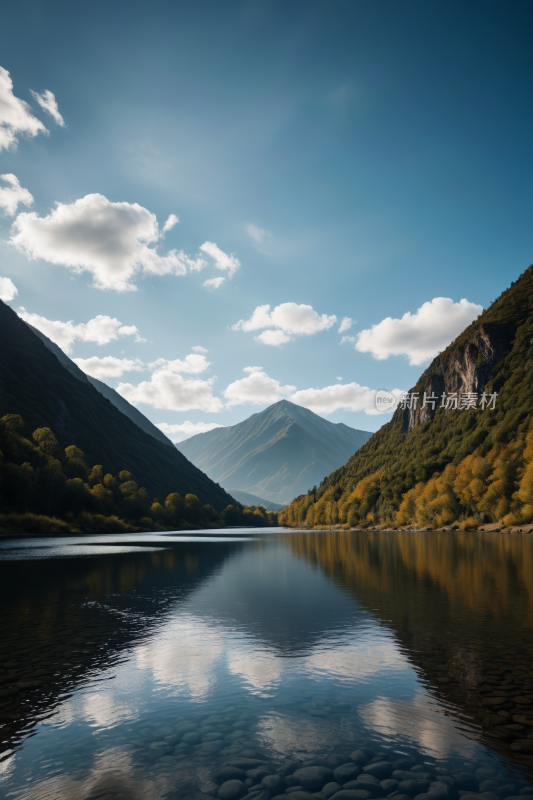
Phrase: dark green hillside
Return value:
(35, 385)
(494, 354)
(119, 402)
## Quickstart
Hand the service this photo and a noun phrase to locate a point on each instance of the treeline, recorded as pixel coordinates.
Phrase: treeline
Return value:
(495, 486)
(46, 489)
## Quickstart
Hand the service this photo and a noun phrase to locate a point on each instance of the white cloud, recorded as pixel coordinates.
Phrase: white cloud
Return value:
(221, 259)
(274, 338)
(130, 330)
(291, 318)
(339, 378)
(213, 283)
(422, 335)
(15, 115)
(177, 433)
(350, 396)
(350, 339)
(257, 234)
(101, 329)
(169, 391)
(14, 194)
(259, 319)
(256, 389)
(171, 221)
(345, 325)
(109, 366)
(8, 290)
(48, 103)
(198, 349)
(193, 363)
(109, 240)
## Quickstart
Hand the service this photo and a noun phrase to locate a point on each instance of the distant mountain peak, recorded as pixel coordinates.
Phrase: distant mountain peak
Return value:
(277, 453)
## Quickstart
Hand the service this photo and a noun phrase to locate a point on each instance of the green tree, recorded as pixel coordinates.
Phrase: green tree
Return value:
(46, 442)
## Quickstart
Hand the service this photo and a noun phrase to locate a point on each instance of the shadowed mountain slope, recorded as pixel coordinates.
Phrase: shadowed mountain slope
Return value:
(110, 394)
(248, 499)
(276, 454)
(37, 385)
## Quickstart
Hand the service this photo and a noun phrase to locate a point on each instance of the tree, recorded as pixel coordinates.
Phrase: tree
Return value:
(174, 505)
(75, 465)
(46, 441)
(97, 475)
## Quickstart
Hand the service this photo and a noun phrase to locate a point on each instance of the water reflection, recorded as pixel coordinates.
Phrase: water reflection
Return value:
(142, 668)
(461, 604)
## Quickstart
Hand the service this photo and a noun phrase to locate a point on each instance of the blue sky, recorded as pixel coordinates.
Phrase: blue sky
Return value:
(360, 159)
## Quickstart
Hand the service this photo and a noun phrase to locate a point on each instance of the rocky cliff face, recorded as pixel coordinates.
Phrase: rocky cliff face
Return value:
(466, 367)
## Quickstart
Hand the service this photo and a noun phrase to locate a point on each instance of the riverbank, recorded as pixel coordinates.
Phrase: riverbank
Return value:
(491, 528)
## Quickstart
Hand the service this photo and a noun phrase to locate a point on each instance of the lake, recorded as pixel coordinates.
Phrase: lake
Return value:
(265, 664)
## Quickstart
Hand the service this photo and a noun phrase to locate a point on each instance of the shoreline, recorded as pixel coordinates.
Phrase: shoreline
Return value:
(492, 528)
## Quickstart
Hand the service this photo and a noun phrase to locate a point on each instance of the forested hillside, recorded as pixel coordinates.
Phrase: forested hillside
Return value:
(438, 466)
(46, 489)
(45, 393)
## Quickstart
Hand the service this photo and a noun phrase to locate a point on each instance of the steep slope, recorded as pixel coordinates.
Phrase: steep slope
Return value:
(34, 384)
(130, 411)
(457, 464)
(275, 454)
(248, 499)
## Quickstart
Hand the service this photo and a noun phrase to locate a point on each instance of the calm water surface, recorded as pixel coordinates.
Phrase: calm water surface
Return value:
(134, 666)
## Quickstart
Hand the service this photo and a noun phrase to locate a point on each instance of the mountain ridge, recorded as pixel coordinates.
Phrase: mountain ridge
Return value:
(35, 384)
(275, 453)
(110, 394)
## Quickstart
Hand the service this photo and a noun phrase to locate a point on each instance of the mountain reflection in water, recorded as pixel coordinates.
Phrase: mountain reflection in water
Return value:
(294, 644)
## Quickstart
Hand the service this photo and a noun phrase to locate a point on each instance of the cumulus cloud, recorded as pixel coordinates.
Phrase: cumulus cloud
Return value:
(48, 103)
(193, 363)
(170, 391)
(13, 195)
(256, 389)
(109, 366)
(100, 330)
(285, 319)
(108, 240)
(213, 283)
(15, 115)
(257, 234)
(273, 338)
(131, 330)
(345, 325)
(198, 349)
(177, 433)
(8, 290)
(350, 339)
(350, 396)
(419, 336)
(171, 221)
(229, 264)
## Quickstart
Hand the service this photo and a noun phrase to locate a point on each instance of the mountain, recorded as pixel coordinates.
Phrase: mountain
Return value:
(114, 397)
(247, 499)
(438, 466)
(47, 391)
(276, 454)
